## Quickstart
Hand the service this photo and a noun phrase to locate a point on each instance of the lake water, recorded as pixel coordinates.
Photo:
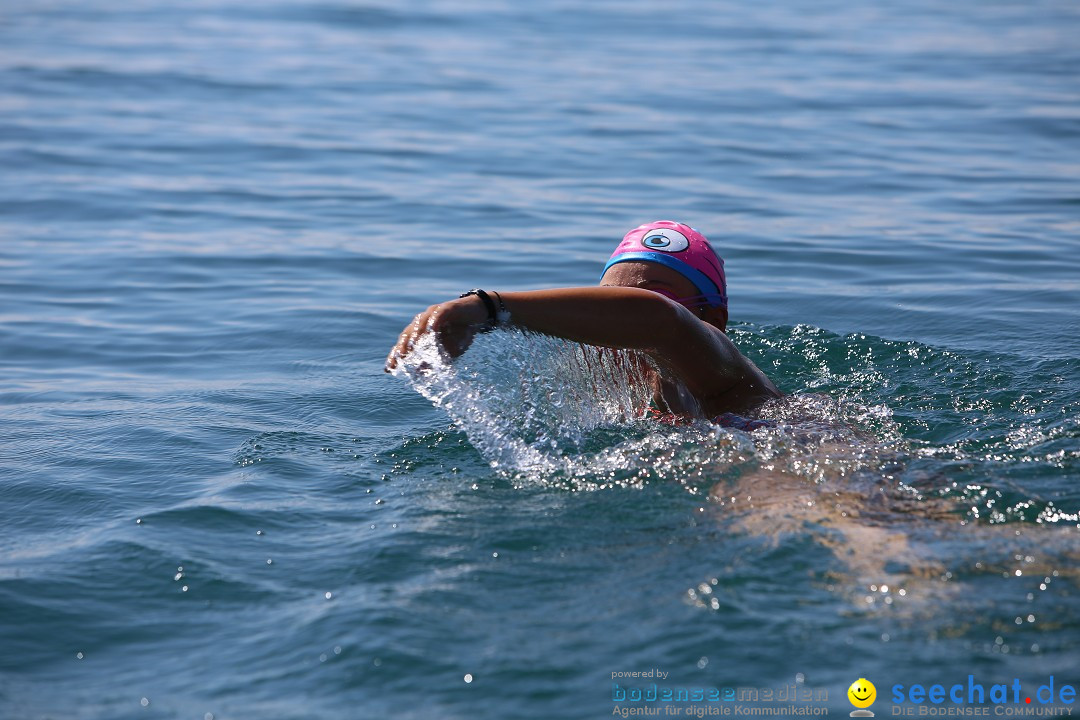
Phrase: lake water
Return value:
(216, 217)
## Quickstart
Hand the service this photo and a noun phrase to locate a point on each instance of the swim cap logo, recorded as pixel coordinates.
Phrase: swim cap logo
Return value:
(665, 240)
(862, 695)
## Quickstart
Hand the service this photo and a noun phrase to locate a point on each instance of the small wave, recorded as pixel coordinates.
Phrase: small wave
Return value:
(531, 402)
(541, 409)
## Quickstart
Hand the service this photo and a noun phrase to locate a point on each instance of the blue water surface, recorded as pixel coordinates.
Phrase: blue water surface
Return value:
(215, 218)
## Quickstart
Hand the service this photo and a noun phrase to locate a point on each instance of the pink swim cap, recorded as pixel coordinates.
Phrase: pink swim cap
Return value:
(681, 248)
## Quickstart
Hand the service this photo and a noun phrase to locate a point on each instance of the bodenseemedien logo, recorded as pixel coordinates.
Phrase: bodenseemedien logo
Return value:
(862, 694)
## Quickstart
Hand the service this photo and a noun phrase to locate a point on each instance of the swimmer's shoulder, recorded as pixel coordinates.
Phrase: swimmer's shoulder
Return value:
(751, 388)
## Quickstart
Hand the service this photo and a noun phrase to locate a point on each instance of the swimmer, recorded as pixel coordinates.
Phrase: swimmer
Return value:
(662, 292)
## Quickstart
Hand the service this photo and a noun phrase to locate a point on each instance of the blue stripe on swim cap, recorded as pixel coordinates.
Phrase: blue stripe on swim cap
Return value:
(701, 281)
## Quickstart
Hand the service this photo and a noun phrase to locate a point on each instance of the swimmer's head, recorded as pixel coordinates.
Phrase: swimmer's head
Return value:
(684, 250)
(676, 261)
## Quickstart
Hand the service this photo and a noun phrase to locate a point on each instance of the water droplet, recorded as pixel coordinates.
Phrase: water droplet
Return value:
(800, 678)
(208, 716)
(468, 677)
(269, 561)
(183, 589)
(144, 702)
(337, 649)
(702, 662)
(258, 532)
(138, 521)
(79, 655)
(494, 554)
(328, 595)
(322, 657)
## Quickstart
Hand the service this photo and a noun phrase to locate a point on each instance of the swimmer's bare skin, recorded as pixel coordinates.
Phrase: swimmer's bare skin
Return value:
(621, 313)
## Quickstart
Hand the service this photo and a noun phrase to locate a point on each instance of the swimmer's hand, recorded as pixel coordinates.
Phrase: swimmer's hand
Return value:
(454, 323)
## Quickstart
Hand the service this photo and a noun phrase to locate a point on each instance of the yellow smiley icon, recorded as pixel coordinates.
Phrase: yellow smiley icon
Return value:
(862, 693)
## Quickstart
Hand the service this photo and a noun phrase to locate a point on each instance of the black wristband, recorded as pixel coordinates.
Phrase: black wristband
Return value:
(493, 316)
(503, 316)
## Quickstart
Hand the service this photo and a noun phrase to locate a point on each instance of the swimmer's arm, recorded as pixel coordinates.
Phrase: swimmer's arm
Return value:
(633, 319)
(619, 317)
